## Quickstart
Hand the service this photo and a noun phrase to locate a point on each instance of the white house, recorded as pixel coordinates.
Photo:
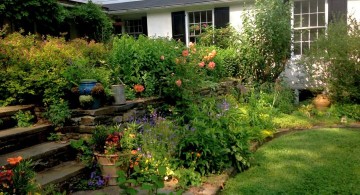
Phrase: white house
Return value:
(182, 19)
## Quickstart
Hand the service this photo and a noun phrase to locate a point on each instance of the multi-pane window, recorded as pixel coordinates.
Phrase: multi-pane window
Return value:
(198, 21)
(134, 27)
(309, 23)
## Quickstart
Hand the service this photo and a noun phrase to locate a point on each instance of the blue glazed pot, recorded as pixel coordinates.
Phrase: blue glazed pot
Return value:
(86, 85)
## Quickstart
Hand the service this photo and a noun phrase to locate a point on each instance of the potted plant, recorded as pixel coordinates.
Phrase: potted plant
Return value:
(113, 149)
(118, 87)
(94, 99)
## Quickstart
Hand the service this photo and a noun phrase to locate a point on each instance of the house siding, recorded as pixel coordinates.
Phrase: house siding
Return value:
(236, 13)
(354, 9)
(159, 24)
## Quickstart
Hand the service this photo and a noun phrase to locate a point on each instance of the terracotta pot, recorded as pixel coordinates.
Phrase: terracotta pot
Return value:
(111, 164)
(321, 102)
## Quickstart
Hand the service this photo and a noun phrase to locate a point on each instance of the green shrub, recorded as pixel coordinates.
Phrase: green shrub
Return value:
(351, 111)
(333, 61)
(23, 118)
(265, 41)
(220, 37)
(58, 113)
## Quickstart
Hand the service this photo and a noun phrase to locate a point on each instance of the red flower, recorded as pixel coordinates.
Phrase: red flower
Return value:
(178, 82)
(139, 88)
(201, 64)
(211, 65)
(185, 53)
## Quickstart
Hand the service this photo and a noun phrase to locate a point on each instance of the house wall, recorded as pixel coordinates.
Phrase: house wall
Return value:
(354, 9)
(159, 24)
(236, 13)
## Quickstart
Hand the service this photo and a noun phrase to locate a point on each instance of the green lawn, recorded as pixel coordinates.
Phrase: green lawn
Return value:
(325, 161)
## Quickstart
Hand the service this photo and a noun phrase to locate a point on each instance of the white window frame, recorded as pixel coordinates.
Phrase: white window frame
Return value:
(297, 56)
(187, 22)
(137, 33)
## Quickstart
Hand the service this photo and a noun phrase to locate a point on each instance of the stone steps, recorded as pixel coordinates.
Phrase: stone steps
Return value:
(20, 137)
(7, 112)
(61, 174)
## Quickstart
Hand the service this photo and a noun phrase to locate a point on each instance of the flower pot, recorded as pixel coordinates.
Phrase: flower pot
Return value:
(321, 102)
(119, 94)
(86, 85)
(110, 164)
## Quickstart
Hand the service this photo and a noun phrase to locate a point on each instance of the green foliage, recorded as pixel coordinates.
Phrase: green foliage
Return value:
(220, 37)
(217, 138)
(188, 177)
(23, 118)
(150, 180)
(18, 177)
(139, 61)
(265, 41)
(42, 72)
(85, 150)
(91, 21)
(351, 111)
(333, 61)
(58, 113)
(31, 13)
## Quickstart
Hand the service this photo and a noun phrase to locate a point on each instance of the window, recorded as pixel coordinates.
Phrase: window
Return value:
(309, 23)
(197, 22)
(134, 27)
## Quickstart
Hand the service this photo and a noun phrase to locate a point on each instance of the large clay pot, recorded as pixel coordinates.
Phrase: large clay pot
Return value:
(321, 102)
(111, 163)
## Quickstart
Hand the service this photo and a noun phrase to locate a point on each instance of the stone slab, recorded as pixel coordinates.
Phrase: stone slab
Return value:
(60, 173)
(21, 131)
(11, 110)
(36, 152)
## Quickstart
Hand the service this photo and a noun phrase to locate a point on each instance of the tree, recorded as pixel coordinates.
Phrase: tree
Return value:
(91, 21)
(30, 14)
(265, 41)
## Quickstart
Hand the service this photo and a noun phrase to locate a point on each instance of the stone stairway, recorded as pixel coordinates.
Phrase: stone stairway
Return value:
(54, 162)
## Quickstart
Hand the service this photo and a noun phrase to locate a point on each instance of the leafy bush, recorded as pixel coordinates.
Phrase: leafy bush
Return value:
(23, 118)
(220, 37)
(43, 71)
(333, 61)
(58, 113)
(352, 111)
(265, 41)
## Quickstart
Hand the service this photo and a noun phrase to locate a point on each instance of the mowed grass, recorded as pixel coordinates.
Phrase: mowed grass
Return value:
(324, 161)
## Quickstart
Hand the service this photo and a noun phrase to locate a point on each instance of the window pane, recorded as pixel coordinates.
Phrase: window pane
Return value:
(313, 34)
(297, 48)
(191, 17)
(305, 20)
(305, 47)
(305, 35)
(321, 5)
(297, 7)
(313, 6)
(321, 19)
(297, 36)
(197, 17)
(203, 16)
(305, 6)
(313, 19)
(209, 16)
(297, 21)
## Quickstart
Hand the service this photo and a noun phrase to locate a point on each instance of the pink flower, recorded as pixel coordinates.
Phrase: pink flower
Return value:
(211, 65)
(178, 82)
(201, 64)
(185, 53)
(162, 57)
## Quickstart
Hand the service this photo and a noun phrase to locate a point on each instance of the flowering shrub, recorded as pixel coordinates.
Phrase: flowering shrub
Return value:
(17, 177)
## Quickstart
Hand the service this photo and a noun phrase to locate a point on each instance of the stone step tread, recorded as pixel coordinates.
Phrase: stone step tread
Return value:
(18, 131)
(35, 152)
(60, 173)
(11, 110)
